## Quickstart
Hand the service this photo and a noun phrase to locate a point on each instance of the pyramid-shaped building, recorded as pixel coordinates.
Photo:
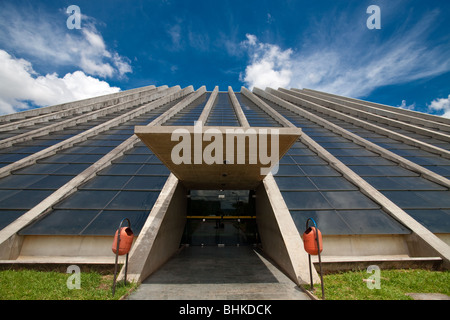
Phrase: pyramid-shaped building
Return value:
(224, 168)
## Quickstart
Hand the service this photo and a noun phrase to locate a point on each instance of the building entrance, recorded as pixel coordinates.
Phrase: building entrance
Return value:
(218, 217)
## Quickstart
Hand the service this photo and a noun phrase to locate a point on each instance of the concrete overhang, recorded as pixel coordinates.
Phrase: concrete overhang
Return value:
(212, 158)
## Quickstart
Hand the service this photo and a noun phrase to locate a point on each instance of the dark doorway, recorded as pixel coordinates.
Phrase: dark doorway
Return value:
(220, 217)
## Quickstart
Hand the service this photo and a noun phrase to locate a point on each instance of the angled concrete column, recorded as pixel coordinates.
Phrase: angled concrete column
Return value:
(256, 100)
(207, 109)
(161, 234)
(178, 107)
(279, 235)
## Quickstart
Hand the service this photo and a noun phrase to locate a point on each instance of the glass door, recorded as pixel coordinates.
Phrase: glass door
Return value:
(217, 231)
(220, 217)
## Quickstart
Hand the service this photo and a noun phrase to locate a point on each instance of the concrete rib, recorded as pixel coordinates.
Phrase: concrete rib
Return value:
(282, 120)
(207, 109)
(393, 114)
(237, 108)
(298, 267)
(390, 133)
(386, 107)
(133, 97)
(46, 110)
(4, 171)
(26, 136)
(370, 116)
(432, 176)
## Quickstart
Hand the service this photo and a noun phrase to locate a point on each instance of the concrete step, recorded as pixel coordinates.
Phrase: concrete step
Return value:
(345, 263)
(61, 263)
(218, 273)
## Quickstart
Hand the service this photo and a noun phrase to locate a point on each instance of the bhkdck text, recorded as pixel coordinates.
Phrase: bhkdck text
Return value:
(246, 309)
(227, 309)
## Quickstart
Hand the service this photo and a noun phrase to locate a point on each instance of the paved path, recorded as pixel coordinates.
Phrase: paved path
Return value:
(218, 273)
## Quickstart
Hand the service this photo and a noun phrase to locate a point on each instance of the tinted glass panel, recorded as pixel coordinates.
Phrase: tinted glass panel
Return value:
(347, 222)
(107, 222)
(289, 170)
(8, 216)
(328, 221)
(371, 222)
(106, 183)
(319, 171)
(332, 183)
(403, 183)
(146, 183)
(305, 200)
(295, 183)
(15, 199)
(437, 221)
(66, 222)
(349, 200)
(133, 200)
(419, 199)
(90, 199)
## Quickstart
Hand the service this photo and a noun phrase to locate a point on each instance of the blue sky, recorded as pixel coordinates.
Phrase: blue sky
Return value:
(323, 45)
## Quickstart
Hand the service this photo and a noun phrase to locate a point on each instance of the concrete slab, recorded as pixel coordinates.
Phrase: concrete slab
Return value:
(239, 160)
(428, 296)
(218, 273)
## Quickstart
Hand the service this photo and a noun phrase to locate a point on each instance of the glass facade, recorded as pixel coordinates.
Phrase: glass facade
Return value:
(428, 160)
(418, 196)
(128, 188)
(310, 186)
(53, 172)
(256, 117)
(222, 112)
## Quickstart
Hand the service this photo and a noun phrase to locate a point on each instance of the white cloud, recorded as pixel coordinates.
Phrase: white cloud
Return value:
(270, 66)
(21, 86)
(174, 32)
(407, 107)
(46, 39)
(441, 105)
(343, 61)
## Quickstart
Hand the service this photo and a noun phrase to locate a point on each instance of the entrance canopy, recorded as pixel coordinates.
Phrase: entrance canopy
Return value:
(229, 158)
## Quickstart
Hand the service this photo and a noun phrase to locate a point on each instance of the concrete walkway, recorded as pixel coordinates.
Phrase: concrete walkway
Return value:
(218, 273)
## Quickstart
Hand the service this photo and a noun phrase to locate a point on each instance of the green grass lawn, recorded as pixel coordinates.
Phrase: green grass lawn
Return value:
(44, 285)
(394, 284)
